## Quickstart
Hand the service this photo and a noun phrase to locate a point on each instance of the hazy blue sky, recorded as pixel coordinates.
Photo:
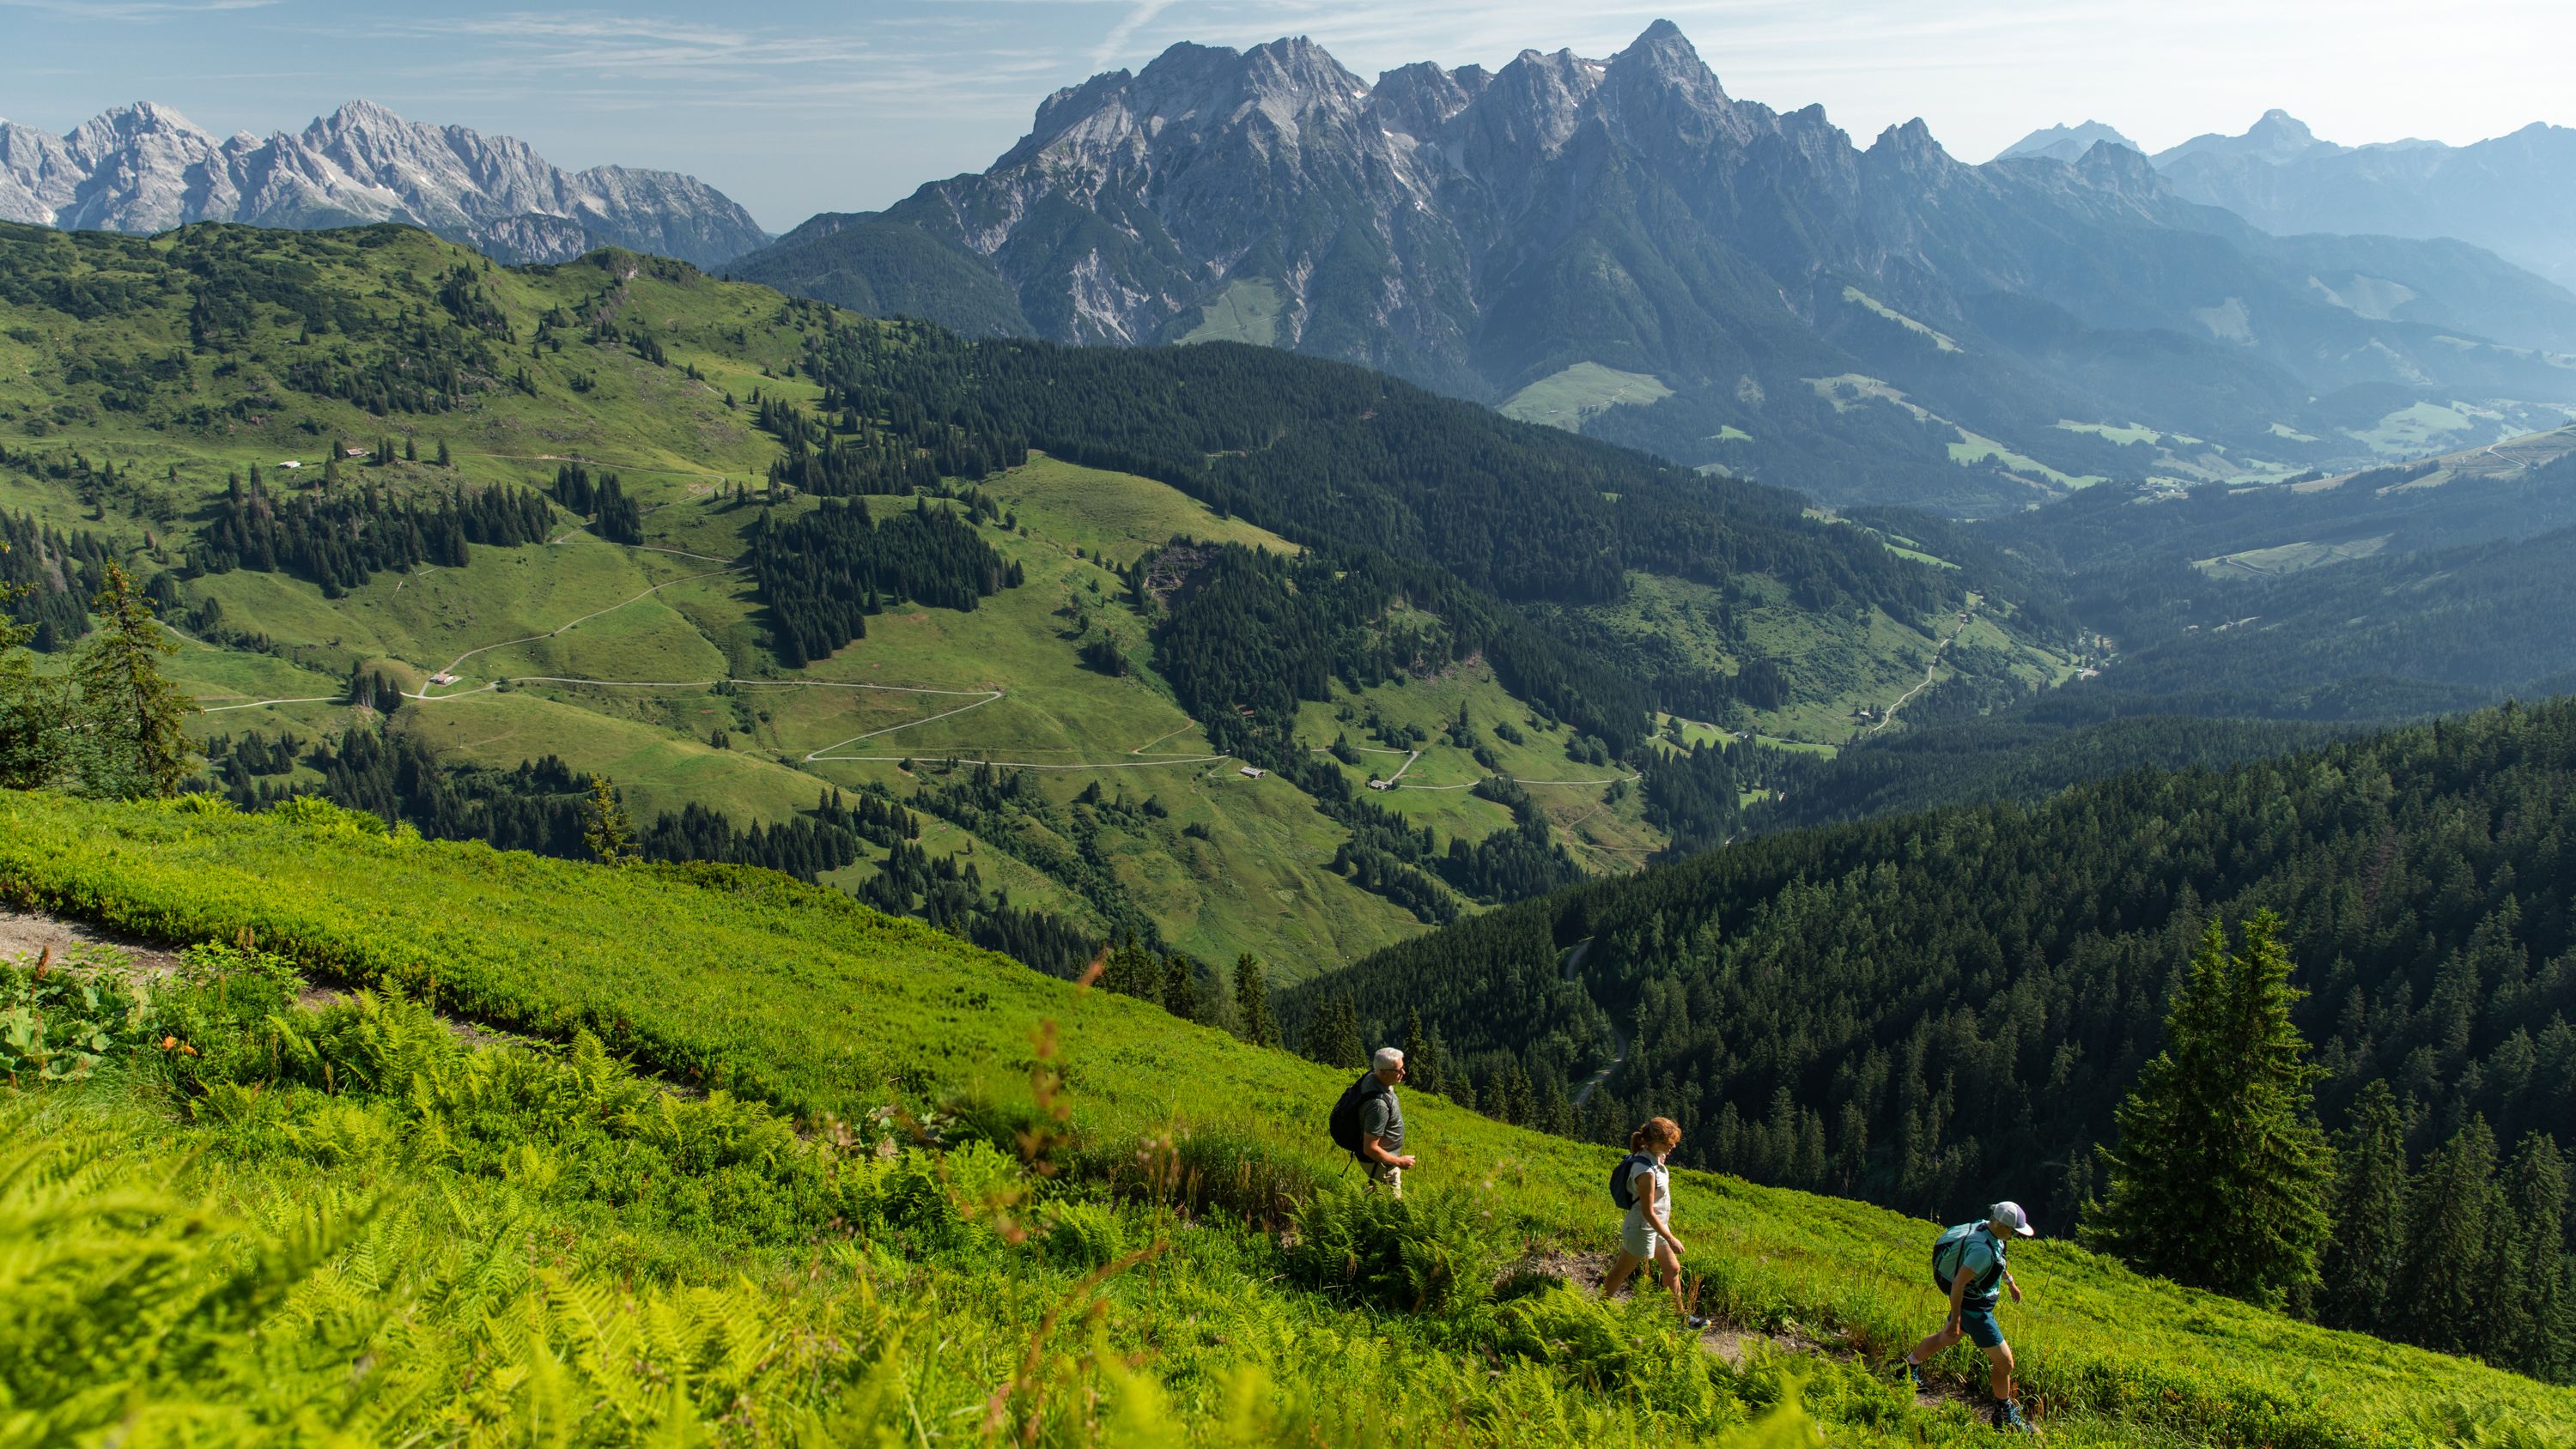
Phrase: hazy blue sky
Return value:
(803, 106)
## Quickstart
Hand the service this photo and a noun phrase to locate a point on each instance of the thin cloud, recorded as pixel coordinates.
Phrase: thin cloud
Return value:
(1138, 16)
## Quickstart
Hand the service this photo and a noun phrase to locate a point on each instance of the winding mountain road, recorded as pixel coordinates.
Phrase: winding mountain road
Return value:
(1619, 1039)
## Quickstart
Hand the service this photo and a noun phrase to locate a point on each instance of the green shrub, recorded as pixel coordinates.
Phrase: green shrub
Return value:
(62, 1019)
(1434, 1252)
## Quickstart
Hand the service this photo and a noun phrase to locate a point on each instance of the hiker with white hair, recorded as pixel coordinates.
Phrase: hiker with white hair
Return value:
(1368, 1122)
(1968, 1264)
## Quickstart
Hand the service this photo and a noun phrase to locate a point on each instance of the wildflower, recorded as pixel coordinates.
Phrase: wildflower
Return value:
(168, 1042)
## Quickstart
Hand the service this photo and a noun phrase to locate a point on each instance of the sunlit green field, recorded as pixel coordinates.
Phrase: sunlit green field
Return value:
(505, 1239)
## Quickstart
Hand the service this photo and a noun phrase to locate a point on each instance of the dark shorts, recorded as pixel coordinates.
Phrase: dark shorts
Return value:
(1981, 1327)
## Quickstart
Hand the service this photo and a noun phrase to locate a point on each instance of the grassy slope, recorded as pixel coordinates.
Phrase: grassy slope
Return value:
(669, 613)
(657, 613)
(796, 997)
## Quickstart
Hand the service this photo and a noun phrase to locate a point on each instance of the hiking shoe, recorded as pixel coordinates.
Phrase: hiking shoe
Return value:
(1694, 1322)
(1914, 1377)
(2008, 1418)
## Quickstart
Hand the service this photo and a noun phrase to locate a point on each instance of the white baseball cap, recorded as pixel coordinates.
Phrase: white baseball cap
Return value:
(2010, 1215)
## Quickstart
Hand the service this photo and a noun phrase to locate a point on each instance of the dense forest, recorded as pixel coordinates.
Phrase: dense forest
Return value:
(1921, 1009)
(822, 574)
(340, 539)
(2444, 593)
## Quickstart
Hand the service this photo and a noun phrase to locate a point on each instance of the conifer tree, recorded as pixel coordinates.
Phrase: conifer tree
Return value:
(411, 450)
(1180, 987)
(31, 706)
(2451, 1212)
(605, 829)
(1133, 971)
(2360, 1265)
(444, 460)
(1421, 1055)
(2544, 1340)
(132, 738)
(1333, 1037)
(2222, 1173)
(1252, 1002)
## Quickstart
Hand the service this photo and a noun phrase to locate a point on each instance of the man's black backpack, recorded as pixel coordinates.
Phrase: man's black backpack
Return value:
(1620, 1191)
(1346, 1112)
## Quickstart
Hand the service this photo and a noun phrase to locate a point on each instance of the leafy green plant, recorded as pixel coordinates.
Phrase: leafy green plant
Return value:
(64, 1018)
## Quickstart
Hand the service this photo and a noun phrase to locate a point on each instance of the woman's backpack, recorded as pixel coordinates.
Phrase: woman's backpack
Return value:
(1621, 1192)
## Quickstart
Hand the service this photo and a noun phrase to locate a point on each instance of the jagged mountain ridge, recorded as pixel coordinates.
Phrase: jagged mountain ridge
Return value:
(146, 168)
(1734, 286)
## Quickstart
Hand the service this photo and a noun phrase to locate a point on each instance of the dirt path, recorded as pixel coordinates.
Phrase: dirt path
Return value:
(1732, 1342)
(24, 933)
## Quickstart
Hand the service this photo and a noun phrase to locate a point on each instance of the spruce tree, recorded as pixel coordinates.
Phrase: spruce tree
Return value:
(31, 705)
(2542, 1337)
(443, 459)
(2361, 1263)
(1252, 1002)
(2451, 1211)
(1421, 1055)
(1133, 971)
(132, 738)
(1180, 987)
(2222, 1174)
(605, 828)
(1333, 1037)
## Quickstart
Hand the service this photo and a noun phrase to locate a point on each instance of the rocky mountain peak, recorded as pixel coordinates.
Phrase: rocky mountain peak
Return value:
(1417, 100)
(1661, 80)
(145, 168)
(2280, 134)
(1909, 150)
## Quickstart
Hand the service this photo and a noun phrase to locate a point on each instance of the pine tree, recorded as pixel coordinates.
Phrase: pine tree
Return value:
(605, 828)
(2222, 1173)
(1133, 971)
(2540, 1338)
(2451, 1210)
(1333, 1037)
(2360, 1264)
(132, 739)
(411, 450)
(1421, 1055)
(1252, 1002)
(31, 706)
(1180, 987)
(444, 460)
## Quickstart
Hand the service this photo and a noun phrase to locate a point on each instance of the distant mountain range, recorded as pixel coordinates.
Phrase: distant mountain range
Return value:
(1621, 247)
(145, 168)
(2514, 195)
(2065, 143)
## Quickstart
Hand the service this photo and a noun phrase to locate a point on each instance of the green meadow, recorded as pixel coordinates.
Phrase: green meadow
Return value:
(764, 1166)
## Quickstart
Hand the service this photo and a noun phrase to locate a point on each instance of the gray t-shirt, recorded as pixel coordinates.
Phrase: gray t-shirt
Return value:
(1663, 1190)
(1382, 1117)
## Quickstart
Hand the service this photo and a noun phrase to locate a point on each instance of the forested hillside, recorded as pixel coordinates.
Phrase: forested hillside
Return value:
(2397, 591)
(1930, 1005)
(744, 556)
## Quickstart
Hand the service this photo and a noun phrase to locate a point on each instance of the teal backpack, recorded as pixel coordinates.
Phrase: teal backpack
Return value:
(1951, 1249)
